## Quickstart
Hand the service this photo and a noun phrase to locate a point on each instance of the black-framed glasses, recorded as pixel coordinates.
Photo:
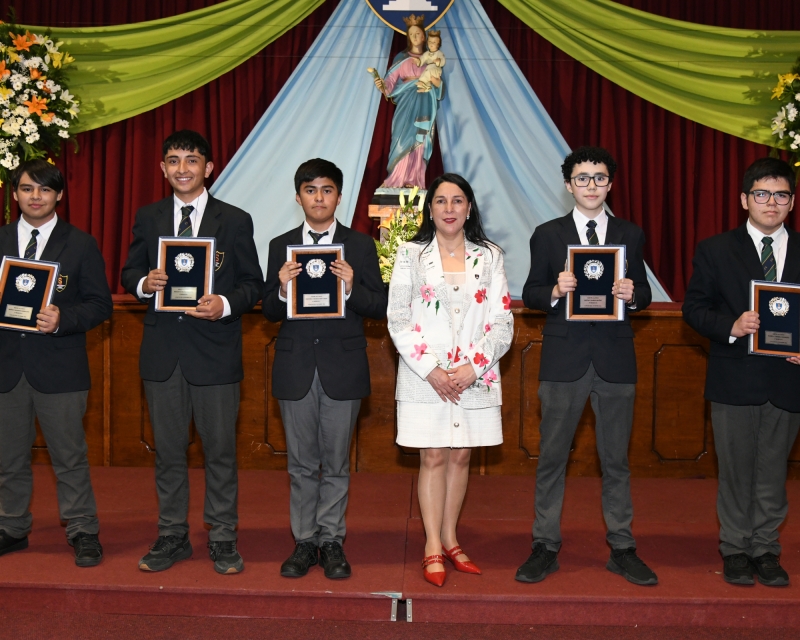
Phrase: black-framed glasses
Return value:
(583, 180)
(762, 197)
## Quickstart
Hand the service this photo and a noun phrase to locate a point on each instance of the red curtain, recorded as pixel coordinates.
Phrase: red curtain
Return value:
(677, 179)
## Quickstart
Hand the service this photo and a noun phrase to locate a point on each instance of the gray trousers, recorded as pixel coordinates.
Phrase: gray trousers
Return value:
(752, 445)
(215, 408)
(562, 406)
(61, 420)
(318, 434)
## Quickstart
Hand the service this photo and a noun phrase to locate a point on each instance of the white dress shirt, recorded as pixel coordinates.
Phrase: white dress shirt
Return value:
(196, 218)
(24, 235)
(600, 229)
(307, 239)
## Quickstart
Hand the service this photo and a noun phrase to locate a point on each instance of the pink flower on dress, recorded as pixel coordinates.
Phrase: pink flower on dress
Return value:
(480, 295)
(487, 328)
(490, 378)
(480, 360)
(427, 292)
(419, 351)
(417, 328)
(507, 301)
(454, 356)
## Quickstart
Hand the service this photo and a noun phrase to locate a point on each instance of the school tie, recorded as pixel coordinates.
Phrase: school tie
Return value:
(185, 225)
(30, 250)
(317, 236)
(768, 260)
(590, 234)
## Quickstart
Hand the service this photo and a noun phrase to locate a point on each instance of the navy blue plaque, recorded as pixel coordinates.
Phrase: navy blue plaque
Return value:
(316, 293)
(597, 268)
(27, 287)
(189, 264)
(778, 308)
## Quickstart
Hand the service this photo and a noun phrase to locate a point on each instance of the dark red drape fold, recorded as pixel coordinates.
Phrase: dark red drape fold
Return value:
(677, 179)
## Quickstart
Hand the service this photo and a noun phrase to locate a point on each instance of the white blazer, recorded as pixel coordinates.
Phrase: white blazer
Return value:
(419, 321)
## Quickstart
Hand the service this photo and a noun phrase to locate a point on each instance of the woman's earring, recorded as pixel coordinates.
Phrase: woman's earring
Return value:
(431, 216)
(467, 216)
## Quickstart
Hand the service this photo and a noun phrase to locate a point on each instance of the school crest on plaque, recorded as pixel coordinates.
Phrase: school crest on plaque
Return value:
(392, 12)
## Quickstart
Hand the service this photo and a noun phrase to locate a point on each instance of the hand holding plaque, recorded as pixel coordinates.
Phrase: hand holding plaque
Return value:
(597, 269)
(777, 330)
(26, 289)
(189, 267)
(315, 292)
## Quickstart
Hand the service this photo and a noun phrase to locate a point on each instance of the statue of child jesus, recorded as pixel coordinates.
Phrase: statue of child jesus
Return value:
(434, 59)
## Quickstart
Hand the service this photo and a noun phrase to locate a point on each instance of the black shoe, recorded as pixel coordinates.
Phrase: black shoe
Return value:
(225, 556)
(738, 569)
(769, 571)
(331, 557)
(539, 564)
(303, 557)
(88, 551)
(9, 544)
(165, 552)
(626, 563)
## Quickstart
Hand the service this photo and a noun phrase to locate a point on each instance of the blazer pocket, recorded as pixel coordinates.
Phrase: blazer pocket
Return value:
(624, 331)
(351, 344)
(555, 330)
(283, 344)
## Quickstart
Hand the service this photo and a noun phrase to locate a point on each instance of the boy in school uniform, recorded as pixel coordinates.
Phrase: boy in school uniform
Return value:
(191, 363)
(321, 372)
(46, 375)
(583, 360)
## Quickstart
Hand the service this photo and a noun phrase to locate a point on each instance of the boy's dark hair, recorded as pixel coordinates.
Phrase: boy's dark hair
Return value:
(768, 168)
(318, 168)
(41, 172)
(597, 155)
(187, 140)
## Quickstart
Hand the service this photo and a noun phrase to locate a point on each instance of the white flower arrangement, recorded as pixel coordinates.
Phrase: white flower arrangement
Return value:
(36, 108)
(786, 123)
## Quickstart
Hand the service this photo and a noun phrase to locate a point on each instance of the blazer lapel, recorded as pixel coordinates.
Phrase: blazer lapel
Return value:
(434, 275)
(791, 266)
(747, 253)
(613, 230)
(166, 218)
(210, 222)
(474, 261)
(9, 240)
(568, 233)
(55, 244)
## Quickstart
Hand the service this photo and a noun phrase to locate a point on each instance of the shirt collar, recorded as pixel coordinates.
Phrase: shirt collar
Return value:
(44, 230)
(757, 236)
(581, 219)
(331, 230)
(199, 203)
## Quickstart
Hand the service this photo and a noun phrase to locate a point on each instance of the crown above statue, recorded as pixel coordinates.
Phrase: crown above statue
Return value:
(415, 21)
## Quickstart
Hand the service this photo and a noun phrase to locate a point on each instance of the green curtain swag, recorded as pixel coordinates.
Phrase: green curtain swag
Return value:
(721, 78)
(124, 70)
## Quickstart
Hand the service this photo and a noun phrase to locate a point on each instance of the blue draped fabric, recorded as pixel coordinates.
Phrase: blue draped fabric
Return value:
(327, 109)
(494, 131)
(413, 116)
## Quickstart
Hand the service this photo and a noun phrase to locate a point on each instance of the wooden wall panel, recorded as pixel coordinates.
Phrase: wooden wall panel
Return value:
(671, 437)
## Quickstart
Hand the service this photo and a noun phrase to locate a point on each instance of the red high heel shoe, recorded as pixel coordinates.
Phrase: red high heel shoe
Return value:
(436, 579)
(464, 567)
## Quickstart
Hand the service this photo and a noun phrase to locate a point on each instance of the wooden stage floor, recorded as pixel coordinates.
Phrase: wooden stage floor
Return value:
(675, 526)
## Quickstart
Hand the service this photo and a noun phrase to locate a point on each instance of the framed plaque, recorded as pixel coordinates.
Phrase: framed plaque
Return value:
(316, 293)
(597, 268)
(778, 308)
(189, 263)
(26, 287)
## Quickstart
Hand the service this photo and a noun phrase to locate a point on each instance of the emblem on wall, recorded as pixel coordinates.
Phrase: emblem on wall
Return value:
(391, 12)
(593, 269)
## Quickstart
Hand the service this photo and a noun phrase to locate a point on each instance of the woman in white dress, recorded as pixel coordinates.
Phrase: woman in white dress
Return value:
(450, 319)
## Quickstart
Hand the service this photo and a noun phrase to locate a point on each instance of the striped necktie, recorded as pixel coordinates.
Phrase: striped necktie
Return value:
(30, 250)
(317, 236)
(590, 234)
(185, 226)
(768, 260)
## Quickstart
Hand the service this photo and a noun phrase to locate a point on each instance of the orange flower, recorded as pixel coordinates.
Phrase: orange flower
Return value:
(22, 42)
(36, 105)
(3, 71)
(47, 117)
(35, 74)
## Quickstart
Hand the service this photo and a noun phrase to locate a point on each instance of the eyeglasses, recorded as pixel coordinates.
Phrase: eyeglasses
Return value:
(583, 180)
(762, 197)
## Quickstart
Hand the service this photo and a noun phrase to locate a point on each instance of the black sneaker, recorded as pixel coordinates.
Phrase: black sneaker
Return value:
(738, 569)
(9, 544)
(769, 571)
(331, 557)
(165, 552)
(303, 557)
(88, 551)
(539, 564)
(225, 556)
(626, 563)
